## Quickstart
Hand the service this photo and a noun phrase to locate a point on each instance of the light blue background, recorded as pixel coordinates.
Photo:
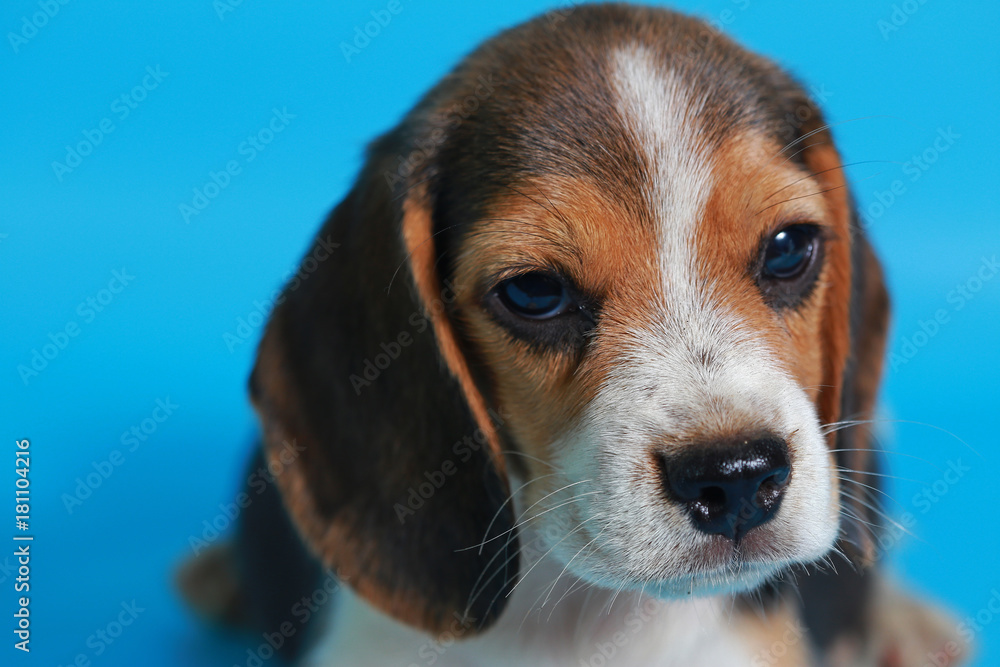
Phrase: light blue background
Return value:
(162, 336)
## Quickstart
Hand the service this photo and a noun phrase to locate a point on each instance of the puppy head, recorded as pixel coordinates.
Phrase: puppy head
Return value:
(615, 253)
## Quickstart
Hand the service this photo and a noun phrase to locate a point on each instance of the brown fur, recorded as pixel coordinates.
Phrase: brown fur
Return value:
(541, 173)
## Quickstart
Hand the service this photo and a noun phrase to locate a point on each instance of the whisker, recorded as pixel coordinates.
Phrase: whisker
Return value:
(879, 513)
(574, 587)
(487, 541)
(514, 452)
(535, 564)
(553, 211)
(407, 190)
(500, 510)
(578, 628)
(822, 128)
(879, 474)
(486, 230)
(566, 567)
(410, 254)
(512, 536)
(873, 488)
(823, 171)
(813, 194)
(887, 451)
(916, 423)
(854, 517)
(804, 137)
(543, 513)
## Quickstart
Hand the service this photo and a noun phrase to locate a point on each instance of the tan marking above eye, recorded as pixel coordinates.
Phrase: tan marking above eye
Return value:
(590, 238)
(762, 190)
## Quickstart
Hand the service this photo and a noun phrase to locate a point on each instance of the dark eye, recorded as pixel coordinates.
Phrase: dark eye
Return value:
(543, 309)
(788, 264)
(534, 295)
(789, 251)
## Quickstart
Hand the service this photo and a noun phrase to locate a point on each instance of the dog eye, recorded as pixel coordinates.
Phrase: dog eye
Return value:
(788, 264)
(789, 251)
(543, 309)
(534, 295)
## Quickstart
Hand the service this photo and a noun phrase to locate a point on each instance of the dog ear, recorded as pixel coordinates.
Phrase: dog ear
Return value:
(854, 329)
(389, 456)
(836, 605)
(856, 449)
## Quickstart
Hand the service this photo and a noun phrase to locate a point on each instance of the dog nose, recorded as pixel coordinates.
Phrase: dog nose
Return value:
(729, 488)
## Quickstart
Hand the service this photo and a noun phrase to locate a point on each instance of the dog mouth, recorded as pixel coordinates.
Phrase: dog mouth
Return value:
(757, 554)
(736, 579)
(715, 565)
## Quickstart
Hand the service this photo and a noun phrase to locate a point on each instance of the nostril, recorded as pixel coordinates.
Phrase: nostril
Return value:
(770, 490)
(709, 503)
(713, 496)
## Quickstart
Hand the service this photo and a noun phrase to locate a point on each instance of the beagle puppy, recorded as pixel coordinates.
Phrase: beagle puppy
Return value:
(586, 378)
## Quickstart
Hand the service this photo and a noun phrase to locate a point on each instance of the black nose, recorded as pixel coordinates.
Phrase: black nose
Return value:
(731, 487)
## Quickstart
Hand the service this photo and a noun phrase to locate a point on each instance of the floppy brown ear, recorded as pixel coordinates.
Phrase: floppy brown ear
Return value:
(398, 468)
(854, 329)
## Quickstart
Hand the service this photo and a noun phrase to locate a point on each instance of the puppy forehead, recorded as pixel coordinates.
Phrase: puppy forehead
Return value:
(671, 177)
(665, 115)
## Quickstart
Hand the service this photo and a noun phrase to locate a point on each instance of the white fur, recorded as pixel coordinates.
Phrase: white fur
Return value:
(606, 541)
(659, 388)
(582, 629)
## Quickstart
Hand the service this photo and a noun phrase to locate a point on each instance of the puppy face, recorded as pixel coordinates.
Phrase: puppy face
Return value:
(632, 327)
(657, 281)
